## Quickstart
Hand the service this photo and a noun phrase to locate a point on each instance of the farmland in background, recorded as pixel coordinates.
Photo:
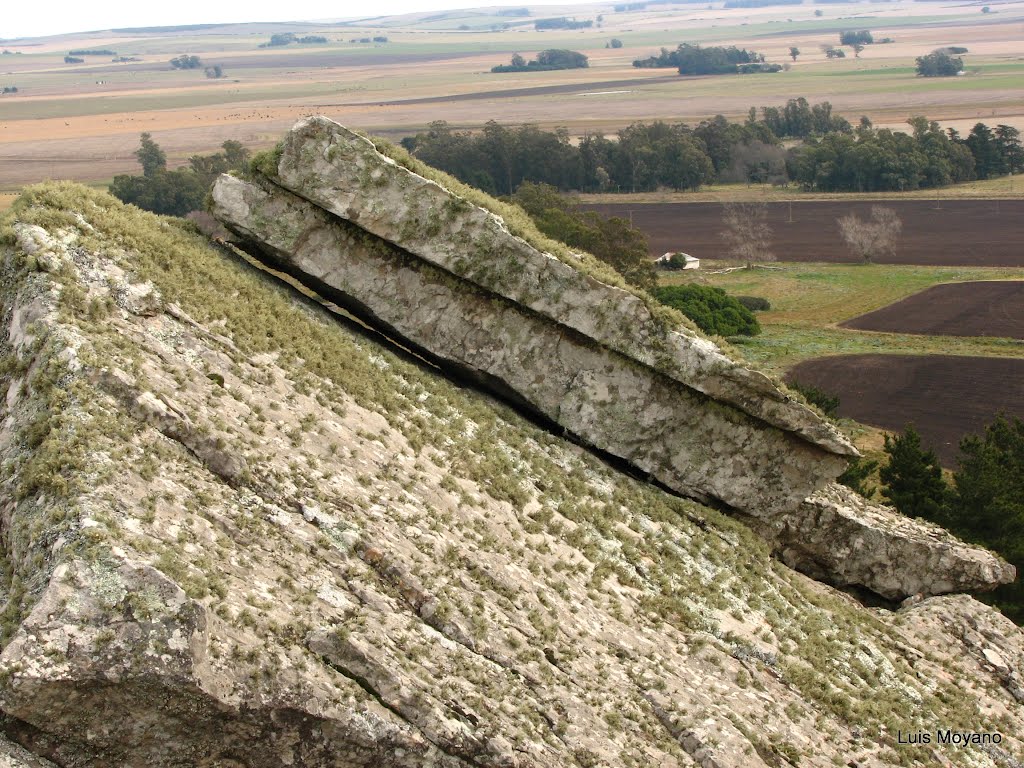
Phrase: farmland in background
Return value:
(82, 121)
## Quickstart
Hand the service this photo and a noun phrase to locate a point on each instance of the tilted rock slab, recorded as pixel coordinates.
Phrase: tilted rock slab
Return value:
(343, 173)
(682, 437)
(693, 444)
(838, 536)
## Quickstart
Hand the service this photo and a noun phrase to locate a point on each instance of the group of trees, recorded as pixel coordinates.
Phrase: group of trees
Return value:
(175, 193)
(869, 160)
(186, 62)
(562, 23)
(553, 58)
(645, 156)
(985, 502)
(833, 156)
(287, 38)
(611, 239)
(713, 310)
(939, 64)
(715, 60)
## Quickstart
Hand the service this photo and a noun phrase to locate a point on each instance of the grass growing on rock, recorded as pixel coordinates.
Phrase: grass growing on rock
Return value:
(547, 550)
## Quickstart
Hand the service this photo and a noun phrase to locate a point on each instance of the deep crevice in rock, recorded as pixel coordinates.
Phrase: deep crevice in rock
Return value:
(358, 317)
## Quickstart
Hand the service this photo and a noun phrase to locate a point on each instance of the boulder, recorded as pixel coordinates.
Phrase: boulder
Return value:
(838, 536)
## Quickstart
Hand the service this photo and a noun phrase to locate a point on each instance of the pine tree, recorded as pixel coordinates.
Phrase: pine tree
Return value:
(150, 156)
(990, 486)
(988, 506)
(912, 480)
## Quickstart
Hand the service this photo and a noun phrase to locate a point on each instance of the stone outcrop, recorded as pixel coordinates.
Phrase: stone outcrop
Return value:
(361, 229)
(838, 536)
(676, 434)
(343, 173)
(401, 572)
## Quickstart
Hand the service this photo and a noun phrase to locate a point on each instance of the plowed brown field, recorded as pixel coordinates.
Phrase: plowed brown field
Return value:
(944, 397)
(993, 308)
(984, 233)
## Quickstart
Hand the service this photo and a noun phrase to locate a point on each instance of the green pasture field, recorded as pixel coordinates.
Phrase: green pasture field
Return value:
(154, 100)
(808, 300)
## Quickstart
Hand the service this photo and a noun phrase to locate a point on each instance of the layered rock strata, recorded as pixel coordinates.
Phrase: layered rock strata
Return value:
(682, 437)
(235, 533)
(343, 173)
(599, 380)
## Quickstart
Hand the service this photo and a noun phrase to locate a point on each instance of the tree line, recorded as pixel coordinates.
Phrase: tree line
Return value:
(691, 59)
(832, 156)
(551, 59)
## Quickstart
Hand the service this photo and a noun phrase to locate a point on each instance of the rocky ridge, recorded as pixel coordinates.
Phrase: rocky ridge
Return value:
(238, 532)
(448, 277)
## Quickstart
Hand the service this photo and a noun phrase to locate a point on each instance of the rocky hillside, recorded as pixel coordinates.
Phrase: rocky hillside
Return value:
(238, 530)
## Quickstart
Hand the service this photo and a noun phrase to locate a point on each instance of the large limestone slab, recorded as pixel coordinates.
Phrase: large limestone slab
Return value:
(838, 536)
(685, 439)
(344, 173)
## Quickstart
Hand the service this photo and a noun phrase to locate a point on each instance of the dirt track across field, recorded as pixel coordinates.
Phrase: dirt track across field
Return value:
(993, 308)
(944, 397)
(983, 233)
(539, 90)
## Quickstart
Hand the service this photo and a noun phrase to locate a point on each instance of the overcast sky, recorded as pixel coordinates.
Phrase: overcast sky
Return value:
(25, 18)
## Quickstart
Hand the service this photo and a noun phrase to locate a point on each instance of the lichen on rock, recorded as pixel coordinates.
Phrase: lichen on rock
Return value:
(408, 574)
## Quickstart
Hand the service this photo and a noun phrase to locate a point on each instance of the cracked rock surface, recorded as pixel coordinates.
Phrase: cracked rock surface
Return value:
(401, 572)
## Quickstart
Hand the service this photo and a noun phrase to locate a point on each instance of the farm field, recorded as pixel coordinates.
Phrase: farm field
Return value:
(935, 232)
(82, 121)
(884, 379)
(991, 308)
(944, 397)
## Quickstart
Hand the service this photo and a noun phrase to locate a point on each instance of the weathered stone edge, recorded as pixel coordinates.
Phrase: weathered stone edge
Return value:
(841, 538)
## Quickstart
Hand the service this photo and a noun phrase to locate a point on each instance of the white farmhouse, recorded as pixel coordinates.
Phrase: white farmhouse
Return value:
(677, 260)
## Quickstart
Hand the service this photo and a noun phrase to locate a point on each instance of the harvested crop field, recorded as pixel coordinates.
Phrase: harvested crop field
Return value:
(990, 308)
(945, 397)
(984, 233)
(539, 90)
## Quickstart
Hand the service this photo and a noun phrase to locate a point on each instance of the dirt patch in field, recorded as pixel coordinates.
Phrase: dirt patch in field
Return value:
(983, 233)
(944, 397)
(542, 90)
(990, 308)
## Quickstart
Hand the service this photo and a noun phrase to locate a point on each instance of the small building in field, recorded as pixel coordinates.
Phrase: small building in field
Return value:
(677, 260)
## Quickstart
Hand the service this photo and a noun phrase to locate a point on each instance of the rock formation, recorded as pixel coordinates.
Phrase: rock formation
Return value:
(237, 531)
(591, 357)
